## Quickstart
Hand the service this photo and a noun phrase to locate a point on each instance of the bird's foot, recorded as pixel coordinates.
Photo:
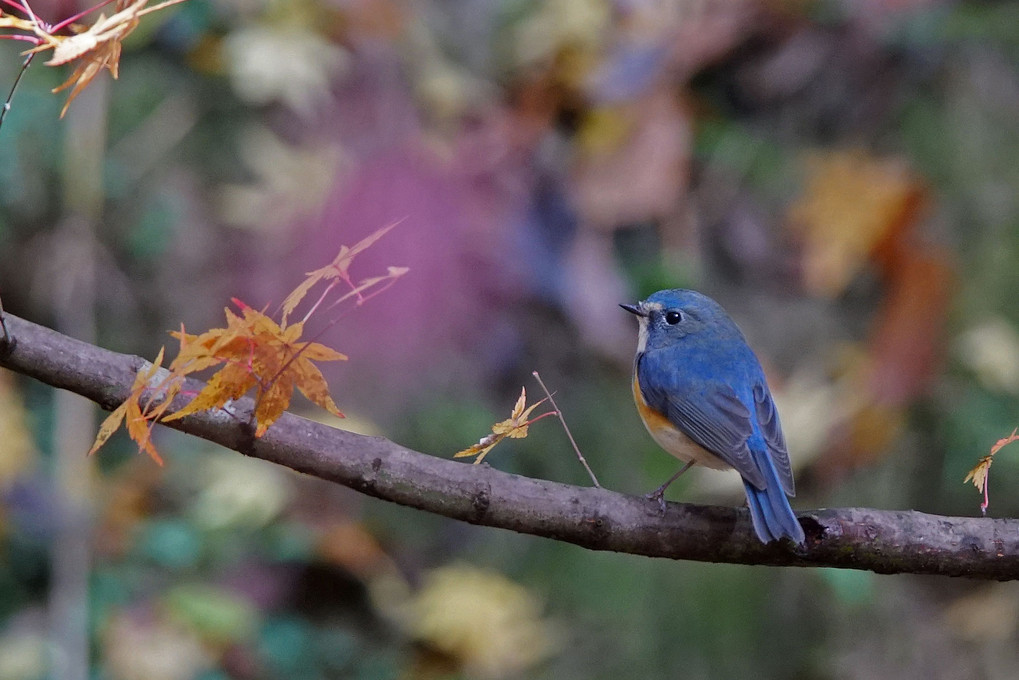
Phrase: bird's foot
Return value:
(658, 495)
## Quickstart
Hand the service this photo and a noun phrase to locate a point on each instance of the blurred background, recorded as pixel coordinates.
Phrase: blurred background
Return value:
(840, 175)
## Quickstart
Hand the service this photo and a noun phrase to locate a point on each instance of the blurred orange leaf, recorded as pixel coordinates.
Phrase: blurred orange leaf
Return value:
(908, 330)
(648, 141)
(853, 203)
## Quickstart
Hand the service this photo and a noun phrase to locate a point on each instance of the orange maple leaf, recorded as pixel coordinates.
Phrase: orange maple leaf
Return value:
(139, 416)
(255, 352)
(853, 204)
(514, 427)
(980, 474)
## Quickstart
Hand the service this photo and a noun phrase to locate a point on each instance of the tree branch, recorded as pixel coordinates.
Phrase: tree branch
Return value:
(853, 538)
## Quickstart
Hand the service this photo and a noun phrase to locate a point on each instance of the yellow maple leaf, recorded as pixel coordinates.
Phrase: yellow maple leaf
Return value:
(492, 627)
(980, 474)
(312, 384)
(255, 352)
(514, 427)
(137, 416)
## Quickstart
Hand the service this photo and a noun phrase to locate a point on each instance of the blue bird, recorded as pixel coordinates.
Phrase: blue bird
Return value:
(702, 395)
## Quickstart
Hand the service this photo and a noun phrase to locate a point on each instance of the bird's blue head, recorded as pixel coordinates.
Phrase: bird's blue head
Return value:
(669, 316)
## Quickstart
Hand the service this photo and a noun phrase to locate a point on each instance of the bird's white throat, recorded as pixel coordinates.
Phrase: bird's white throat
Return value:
(641, 334)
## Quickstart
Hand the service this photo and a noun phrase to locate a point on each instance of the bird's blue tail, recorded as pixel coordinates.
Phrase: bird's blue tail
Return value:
(769, 508)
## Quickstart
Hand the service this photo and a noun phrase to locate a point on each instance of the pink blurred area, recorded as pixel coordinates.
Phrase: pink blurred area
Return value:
(454, 299)
(452, 202)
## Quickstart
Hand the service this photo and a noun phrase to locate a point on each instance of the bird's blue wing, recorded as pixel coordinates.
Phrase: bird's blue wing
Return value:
(771, 430)
(721, 424)
(709, 413)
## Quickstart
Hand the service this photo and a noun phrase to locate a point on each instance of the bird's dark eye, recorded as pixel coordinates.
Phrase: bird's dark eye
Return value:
(672, 317)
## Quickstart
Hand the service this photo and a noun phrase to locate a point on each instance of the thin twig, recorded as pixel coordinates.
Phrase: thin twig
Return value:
(10, 96)
(566, 427)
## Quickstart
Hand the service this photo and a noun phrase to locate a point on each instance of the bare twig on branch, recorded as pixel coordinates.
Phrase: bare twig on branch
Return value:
(569, 435)
(852, 538)
(14, 88)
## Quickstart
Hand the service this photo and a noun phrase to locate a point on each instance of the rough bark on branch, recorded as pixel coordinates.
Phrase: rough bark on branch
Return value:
(855, 538)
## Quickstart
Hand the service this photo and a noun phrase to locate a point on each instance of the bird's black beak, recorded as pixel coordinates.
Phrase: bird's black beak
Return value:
(634, 309)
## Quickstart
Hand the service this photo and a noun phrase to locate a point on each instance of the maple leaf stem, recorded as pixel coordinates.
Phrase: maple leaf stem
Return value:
(332, 322)
(14, 88)
(987, 500)
(24, 38)
(535, 419)
(162, 5)
(361, 299)
(27, 9)
(569, 435)
(339, 317)
(380, 286)
(345, 277)
(286, 364)
(321, 299)
(154, 392)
